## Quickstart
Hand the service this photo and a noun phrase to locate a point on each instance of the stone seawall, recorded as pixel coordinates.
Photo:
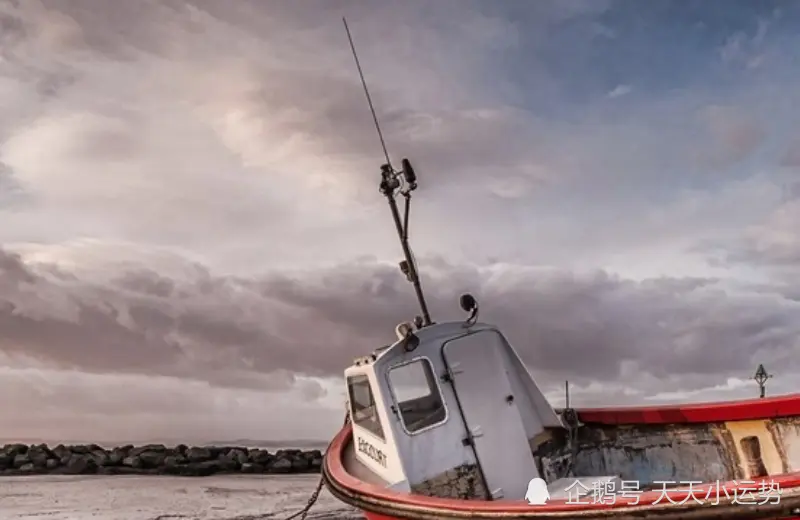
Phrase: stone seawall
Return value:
(153, 459)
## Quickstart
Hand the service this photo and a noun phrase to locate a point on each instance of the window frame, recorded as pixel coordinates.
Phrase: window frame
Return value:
(435, 388)
(364, 379)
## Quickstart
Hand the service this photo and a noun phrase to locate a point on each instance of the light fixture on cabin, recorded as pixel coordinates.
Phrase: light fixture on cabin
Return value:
(470, 305)
(405, 333)
(418, 322)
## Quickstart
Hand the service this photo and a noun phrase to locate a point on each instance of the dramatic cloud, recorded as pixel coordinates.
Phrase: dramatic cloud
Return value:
(286, 332)
(188, 191)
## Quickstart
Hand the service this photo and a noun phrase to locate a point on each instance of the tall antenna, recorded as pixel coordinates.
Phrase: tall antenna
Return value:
(366, 91)
(394, 182)
(566, 387)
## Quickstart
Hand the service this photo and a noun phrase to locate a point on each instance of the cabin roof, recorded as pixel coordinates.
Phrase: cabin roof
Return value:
(427, 340)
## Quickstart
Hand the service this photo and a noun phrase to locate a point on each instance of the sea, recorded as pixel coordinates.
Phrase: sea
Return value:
(234, 497)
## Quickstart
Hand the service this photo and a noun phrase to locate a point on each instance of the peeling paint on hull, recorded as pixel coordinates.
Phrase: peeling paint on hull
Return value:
(463, 482)
(788, 432)
(654, 454)
(650, 454)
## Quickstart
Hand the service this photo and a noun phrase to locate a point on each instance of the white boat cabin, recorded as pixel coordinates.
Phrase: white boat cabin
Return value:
(448, 410)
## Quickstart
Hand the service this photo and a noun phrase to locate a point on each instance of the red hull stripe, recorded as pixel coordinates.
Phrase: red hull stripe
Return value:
(767, 408)
(340, 476)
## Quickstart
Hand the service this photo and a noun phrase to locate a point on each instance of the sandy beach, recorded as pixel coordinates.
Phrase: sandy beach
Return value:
(164, 498)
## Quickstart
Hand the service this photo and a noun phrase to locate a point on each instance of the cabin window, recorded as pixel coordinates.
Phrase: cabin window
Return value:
(363, 411)
(417, 396)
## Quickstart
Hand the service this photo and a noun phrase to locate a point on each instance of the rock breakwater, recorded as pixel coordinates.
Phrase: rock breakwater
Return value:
(153, 459)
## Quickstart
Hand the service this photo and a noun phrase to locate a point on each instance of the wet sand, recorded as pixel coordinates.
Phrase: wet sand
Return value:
(239, 497)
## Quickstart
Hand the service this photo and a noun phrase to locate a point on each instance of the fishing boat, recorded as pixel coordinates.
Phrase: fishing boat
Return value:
(447, 422)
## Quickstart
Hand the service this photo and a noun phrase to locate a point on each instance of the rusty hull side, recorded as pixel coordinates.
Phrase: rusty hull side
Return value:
(651, 455)
(462, 482)
(677, 453)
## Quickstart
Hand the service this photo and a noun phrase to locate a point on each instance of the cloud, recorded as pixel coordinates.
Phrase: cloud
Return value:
(188, 191)
(791, 158)
(70, 406)
(620, 90)
(283, 331)
(773, 243)
(180, 106)
(744, 49)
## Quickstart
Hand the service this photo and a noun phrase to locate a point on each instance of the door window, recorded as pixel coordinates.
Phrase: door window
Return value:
(417, 395)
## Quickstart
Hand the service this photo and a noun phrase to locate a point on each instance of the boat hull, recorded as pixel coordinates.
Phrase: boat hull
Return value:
(701, 502)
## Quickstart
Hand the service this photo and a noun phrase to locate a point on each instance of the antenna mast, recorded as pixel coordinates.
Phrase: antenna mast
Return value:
(394, 182)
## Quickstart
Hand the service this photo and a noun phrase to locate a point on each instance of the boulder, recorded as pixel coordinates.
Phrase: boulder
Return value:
(280, 465)
(21, 459)
(300, 463)
(61, 451)
(41, 447)
(313, 454)
(239, 455)
(198, 454)
(227, 462)
(287, 454)
(116, 456)
(38, 456)
(27, 468)
(215, 451)
(12, 450)
(208, 467)
(158, 448)
(132, 462)
(251, 467)
(171, 461)
(136, 451)
(262, 457)
(101, 458)
(51, 464)
(80, 464)
(152, 459)
(195, 469)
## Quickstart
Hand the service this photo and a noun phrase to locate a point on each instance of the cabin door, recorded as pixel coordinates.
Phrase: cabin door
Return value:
(481, 383)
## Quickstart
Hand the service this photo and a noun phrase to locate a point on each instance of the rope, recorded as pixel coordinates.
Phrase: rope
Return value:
(311, 501)
(315, 495)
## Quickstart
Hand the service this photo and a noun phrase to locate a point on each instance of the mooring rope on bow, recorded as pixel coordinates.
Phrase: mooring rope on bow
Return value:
(303, 513)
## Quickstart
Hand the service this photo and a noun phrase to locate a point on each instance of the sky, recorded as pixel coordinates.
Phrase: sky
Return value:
(193, 246)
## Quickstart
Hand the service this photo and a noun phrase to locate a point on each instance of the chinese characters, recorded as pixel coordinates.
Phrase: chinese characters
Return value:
(672, 492)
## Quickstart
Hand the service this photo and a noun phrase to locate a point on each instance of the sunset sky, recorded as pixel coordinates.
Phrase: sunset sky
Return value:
(193, 246)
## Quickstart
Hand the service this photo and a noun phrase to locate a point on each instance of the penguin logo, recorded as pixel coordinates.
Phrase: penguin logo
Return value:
(537, 494)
